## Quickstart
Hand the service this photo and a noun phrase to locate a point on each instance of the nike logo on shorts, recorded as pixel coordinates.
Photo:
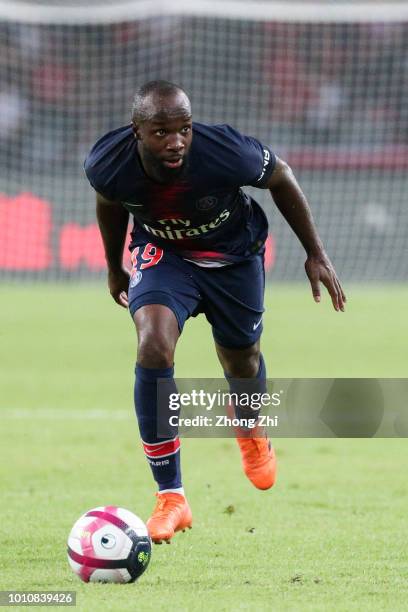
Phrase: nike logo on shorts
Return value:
(256, 325)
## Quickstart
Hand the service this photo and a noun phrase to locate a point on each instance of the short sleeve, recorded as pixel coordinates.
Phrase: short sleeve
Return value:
(96, 177)
(249, 161)
(258, 163)
(106, 159)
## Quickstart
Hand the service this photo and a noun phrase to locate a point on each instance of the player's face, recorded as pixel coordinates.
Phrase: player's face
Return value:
(165, 139)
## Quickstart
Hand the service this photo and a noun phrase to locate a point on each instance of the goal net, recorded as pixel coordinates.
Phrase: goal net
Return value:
(323, 84)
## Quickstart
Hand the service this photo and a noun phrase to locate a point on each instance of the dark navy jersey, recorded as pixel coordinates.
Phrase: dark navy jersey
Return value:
(204, 216)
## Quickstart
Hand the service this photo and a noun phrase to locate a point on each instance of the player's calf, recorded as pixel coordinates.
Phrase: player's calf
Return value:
(257, 454)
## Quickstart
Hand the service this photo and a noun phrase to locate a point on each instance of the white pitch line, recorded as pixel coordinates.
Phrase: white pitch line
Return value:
(47, 414)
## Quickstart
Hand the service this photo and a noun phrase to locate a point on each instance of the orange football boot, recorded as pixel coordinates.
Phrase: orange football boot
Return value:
(258, 457)
(172, 513)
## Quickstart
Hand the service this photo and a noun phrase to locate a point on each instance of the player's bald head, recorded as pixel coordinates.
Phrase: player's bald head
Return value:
(160, 100)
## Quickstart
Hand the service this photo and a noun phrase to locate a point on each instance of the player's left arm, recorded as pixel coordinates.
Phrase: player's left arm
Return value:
(293, 205)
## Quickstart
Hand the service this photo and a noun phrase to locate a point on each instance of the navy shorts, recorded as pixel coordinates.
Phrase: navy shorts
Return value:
(231, 297)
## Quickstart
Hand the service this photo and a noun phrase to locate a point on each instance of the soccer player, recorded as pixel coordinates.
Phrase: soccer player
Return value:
(197, 246)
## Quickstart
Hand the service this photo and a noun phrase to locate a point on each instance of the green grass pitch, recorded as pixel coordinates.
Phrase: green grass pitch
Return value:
(331, 535)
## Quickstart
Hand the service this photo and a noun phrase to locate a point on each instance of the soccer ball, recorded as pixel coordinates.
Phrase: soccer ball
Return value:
(109, 544)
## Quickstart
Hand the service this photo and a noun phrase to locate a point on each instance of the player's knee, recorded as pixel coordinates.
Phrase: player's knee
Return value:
(242, 364)
(244, 369)
(155, 351)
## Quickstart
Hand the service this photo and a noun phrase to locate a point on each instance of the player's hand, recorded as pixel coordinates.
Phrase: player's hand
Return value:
(118, 283)
(319, 269)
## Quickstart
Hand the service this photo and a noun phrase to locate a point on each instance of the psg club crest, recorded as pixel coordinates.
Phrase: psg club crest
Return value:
(136, 278)
(206, 203)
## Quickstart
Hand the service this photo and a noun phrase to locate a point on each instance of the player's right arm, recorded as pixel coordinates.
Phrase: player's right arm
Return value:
(113, 222)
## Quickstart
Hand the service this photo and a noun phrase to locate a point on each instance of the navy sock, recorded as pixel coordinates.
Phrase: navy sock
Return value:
(246, 387)
(162, 453)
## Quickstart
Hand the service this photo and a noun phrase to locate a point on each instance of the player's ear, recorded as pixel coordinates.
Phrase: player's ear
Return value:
(136, 131)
